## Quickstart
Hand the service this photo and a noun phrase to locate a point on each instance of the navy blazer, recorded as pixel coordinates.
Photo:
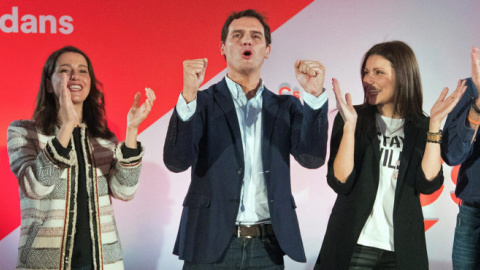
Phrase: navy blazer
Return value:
(211, 144)
(457, 146)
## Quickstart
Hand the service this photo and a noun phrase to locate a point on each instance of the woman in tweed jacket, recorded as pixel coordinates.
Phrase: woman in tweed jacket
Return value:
(69, 165)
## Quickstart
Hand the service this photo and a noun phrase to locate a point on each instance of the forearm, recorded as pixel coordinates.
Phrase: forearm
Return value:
(432, 161)
(65, 134)
(131, 137)
(310, 146)
(124, 178)
(458, 133)
(29, 167)
(344, 160)
(179, 149)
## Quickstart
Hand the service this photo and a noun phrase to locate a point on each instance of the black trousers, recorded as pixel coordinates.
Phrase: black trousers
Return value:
(364, 258)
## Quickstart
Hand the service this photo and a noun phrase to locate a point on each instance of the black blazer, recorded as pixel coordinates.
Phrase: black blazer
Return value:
(356, 196)
(211, 144)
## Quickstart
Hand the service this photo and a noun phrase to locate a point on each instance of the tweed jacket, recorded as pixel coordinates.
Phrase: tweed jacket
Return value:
(355, 197)
(48, 186)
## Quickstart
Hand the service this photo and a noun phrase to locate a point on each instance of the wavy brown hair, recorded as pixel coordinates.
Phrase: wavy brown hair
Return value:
(408, 97)
(45, 115)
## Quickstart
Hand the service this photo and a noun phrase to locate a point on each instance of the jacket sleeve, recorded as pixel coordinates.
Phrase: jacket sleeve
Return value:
(309, 134)
(125, 171)
(38, 168)
(457, 135)
(182, 140)
(425, 186)
(333, 182)
(418, 179)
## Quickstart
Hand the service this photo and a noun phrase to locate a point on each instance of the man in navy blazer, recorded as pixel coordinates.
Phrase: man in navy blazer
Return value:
(237, 137)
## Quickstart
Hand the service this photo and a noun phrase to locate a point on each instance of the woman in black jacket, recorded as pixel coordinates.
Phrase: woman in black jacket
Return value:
(383, 154)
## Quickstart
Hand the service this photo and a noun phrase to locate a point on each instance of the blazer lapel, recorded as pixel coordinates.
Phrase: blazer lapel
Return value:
(224, 100)
(372, 137)
(269, 113)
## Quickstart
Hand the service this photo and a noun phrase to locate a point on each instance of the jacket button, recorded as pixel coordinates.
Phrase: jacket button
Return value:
(234, 200)
(239, 171)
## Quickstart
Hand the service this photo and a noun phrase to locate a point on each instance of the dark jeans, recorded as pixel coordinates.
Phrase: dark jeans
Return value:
(246, 253)
(364, 258)
(466, 248)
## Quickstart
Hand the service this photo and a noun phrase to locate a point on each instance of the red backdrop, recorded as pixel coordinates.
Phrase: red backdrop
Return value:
(132, 44)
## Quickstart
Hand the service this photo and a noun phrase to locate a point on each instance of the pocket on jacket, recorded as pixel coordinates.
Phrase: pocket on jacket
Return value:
(195, 200)
(26, 249)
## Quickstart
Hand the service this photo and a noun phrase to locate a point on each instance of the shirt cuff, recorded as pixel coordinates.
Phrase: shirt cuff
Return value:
(185, 111)
(62, 151)
(465, 132)
(131, 152)
(315, 102)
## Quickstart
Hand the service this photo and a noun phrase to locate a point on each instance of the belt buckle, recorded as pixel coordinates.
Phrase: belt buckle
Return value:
(239, 231)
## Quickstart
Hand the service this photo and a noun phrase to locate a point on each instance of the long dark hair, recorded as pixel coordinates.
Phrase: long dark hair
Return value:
(408, 97)
(46, 111)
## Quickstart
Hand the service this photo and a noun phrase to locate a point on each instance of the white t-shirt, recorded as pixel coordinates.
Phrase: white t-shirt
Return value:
(378, 230)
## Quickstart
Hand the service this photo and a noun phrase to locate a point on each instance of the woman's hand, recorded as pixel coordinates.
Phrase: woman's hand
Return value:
(344, 106)
(66, 113)
(343, 162)
(431, 161)
(444, 105)
(136, 115)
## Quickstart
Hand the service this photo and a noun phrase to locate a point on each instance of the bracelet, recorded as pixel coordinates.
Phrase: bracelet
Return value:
(434, 137)
(473, 121)
(475, 108)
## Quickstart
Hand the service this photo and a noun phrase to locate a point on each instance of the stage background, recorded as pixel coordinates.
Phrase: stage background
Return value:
(134, 44)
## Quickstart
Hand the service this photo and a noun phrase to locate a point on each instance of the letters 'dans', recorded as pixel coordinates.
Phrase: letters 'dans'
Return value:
(31, 24)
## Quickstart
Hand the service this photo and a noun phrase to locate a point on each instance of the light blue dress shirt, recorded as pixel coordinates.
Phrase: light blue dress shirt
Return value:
(253, 207)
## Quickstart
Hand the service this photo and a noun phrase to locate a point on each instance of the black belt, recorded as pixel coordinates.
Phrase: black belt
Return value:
(474, 205)
(254, 231)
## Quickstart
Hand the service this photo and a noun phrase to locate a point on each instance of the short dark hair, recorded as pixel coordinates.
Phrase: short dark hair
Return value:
(46, 112)
(247, 13)
(408, 98)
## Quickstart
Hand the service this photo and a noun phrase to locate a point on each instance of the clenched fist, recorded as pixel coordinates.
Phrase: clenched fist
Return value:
(310, 74)
(193, 75)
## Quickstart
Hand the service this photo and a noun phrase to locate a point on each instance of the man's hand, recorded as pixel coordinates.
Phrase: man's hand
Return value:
(193, 75)
(310, 74)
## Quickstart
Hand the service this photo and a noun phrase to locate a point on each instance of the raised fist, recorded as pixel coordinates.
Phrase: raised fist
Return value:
(193, 75)
(310, 74)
